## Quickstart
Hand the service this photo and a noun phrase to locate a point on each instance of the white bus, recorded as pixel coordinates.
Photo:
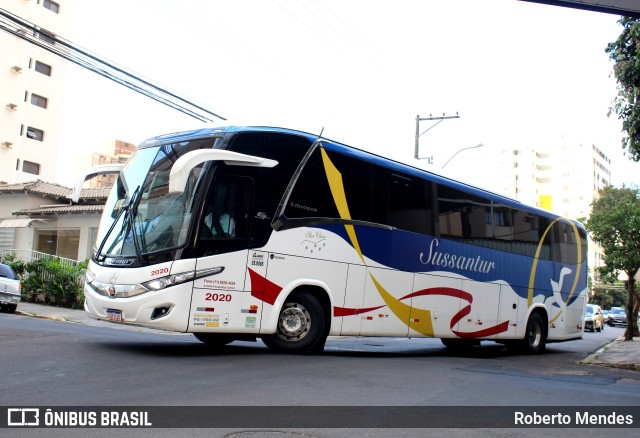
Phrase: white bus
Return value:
(241, 233)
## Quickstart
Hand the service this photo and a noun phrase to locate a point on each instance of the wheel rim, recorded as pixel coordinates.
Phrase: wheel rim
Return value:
(294, 322)
(535, 334)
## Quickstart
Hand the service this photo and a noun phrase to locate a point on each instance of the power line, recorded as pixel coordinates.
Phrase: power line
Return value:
(64, 48)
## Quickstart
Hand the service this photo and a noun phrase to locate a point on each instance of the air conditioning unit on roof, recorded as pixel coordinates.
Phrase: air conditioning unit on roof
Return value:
(16, 69)
(12, 106)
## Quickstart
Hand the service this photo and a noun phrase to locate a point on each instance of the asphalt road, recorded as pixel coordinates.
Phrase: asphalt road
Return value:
(50, 363)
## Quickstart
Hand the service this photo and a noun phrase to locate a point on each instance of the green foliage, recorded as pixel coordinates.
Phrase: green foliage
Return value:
(15, 263)
(50, 281)
(615, 224)
(625, 53)
(610, 295)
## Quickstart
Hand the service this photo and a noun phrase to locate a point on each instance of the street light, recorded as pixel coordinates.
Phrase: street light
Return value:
(479, 145)
(419, 119)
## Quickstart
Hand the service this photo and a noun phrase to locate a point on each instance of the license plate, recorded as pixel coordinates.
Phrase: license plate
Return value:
(114, 315)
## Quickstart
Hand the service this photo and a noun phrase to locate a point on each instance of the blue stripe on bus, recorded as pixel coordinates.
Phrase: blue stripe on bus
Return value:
(411, 252)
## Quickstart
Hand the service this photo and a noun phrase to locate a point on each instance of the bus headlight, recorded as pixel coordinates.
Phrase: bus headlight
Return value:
(169, 280)
(116, 290)
(172, 280)
(131, 290)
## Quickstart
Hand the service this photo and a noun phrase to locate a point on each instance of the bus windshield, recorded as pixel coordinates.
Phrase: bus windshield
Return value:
(142, 217)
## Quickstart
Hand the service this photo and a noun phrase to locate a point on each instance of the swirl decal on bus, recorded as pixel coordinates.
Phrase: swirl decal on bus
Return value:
(418, 319)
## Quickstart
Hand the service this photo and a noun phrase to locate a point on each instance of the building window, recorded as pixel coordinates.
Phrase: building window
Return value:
(62, 243)
(43, 68)
(35, 134)
(52, 6)
(39, 100)
(29, 167)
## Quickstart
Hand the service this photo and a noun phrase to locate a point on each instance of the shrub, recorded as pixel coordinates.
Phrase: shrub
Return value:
(49, 281)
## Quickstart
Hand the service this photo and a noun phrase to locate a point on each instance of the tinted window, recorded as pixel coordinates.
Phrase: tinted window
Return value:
(287, 150)
(519, 232)
(565, 244)
(401, 201)
(225, 219)
(462, 215)
(270, 184)
(312, 197)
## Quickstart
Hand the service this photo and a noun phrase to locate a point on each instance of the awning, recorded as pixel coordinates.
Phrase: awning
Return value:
(18, 223)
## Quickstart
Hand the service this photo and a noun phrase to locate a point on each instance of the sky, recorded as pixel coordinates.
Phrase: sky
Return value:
(518, 74)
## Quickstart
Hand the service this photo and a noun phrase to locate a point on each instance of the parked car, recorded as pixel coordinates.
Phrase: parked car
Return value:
(10, 289)
(618, 315)
(593, 319)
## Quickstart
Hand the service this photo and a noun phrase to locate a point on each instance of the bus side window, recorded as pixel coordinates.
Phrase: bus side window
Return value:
(226, 210)
(401, 201)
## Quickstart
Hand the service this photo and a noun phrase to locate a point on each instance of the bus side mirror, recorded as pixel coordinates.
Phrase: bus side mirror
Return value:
(183, 165)
(104, 169)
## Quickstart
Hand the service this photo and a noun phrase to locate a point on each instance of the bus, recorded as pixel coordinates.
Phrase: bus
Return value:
(246, 233)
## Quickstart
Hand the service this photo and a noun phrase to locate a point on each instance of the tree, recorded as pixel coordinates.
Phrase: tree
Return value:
(610, 295)
(615, 224)
(625, 53)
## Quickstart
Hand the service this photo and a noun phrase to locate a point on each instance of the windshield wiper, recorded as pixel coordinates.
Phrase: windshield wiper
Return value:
(131, 209)
(99, 256)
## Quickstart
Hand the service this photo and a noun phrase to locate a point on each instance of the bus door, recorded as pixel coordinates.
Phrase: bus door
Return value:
(508, 312)
(483, 302)
(437, 295)
(572, 321)
(220, 300)
(384, 287)
(353, 299)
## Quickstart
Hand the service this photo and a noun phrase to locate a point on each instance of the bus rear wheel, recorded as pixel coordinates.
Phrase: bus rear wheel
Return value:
(214, 339)
(300, 326)
(534, 341)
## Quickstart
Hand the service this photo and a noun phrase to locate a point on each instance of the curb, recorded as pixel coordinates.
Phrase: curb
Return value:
(34, 315)
(98, 323)
(598, 358)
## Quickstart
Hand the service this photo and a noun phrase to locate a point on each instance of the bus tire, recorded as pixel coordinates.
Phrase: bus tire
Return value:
(214, 339)
(535, 335)
(300, 327)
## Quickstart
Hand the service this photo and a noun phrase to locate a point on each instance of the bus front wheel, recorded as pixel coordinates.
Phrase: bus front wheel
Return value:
(300, 326)
(213, 339)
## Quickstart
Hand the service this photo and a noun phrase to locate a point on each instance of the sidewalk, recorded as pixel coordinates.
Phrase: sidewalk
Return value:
(616, 354)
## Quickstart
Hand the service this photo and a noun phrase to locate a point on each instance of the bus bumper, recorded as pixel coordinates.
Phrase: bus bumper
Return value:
(167, 309)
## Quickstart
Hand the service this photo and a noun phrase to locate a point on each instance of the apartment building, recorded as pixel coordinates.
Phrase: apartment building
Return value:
(33, 88)
(564, 178)
(121, 153)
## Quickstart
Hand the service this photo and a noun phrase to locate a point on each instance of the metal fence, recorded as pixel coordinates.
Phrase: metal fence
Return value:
(28, 255)
(49, 285)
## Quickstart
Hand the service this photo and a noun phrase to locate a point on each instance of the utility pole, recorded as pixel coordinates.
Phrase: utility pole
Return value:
(419, 119)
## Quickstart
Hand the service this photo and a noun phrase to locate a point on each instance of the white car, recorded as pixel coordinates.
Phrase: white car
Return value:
(10, 289)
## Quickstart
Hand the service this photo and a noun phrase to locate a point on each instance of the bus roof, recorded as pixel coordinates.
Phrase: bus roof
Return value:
(352, 151)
